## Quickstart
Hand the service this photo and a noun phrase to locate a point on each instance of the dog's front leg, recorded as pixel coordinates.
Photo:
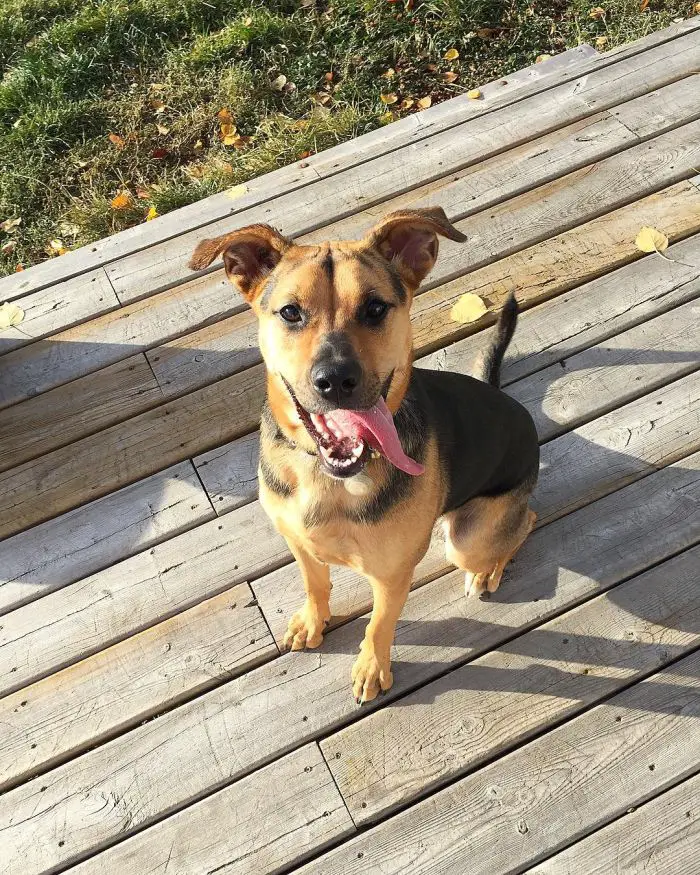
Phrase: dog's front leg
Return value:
(306, 626)
(372, 669)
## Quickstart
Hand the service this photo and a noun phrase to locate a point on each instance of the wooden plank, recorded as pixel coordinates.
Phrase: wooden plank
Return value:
(501, 700)
(588, 771)
(60, 306)
(268, 820)
(112, 337)
(94, 466)
(69, 412)
(567, 260)
(230, 473)
(109, 606)
(117, 688)
(377, 179)
(660, 838)
(611, 373)
(208, 743)
(586, 315)
(100, 533)
(326, 163)
(576, 469)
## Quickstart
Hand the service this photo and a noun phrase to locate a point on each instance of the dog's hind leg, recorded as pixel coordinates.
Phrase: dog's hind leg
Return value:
(483, 535)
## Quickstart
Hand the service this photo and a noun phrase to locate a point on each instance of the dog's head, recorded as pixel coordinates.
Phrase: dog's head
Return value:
(335, 331)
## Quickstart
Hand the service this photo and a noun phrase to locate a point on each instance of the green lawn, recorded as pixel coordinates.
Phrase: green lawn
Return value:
(108, 98)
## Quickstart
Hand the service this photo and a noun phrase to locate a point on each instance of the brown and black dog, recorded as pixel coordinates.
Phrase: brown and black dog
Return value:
(360, 454)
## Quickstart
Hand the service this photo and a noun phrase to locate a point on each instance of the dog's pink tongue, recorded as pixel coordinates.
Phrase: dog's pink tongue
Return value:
(376, 427)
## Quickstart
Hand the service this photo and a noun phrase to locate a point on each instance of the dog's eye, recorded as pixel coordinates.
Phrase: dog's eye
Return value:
(290, 313)
(376, 310)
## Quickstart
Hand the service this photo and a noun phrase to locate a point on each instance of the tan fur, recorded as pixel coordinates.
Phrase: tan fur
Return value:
(315, 516)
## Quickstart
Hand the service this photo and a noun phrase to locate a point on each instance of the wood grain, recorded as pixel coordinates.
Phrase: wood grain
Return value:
(273, 818)
(208, 742)
(570, 781)
(660, 838)
(123, 685)
(503, 699)
(100, 533)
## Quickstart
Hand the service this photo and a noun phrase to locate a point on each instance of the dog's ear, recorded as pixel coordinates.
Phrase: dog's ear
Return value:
(409, 239)
(249, 255)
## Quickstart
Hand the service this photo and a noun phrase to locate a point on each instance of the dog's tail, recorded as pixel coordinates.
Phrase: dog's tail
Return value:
(489, 368)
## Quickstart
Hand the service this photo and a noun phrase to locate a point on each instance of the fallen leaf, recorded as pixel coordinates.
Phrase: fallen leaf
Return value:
(9, 247)
(474, 94)
(241, 142)
(328, 76)
(468, 308)
(159, 153)
(279, 83)
(651, 240)
(451, 55)
(230, 139)
(10, 314)
(157, 106)
(162, 129)
(596, 12)
(157, 86)
(407, 103)
(56, 246)
(425, 102)
(322, 97)
(601, 41)
(449, 77)
(224, 116)
(289, 87)
(236, 191)
(388, 99)
(122, 201)
(10, 224)
(228, 129)
(431, 68)
(247, 21)
(151, 214)
(19, 268)
(696, 9)
(389, 73)
(198, 144)
(488, 32)
(386, 117)
(541, 58)
(118, 141)
(142, 194)
(643, 6)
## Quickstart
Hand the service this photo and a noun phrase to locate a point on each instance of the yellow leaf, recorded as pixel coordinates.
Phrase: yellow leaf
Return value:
(696, 9)
(151, 214)
(117, 140)
(389, 73)
(225, 117)
(474, 94)
(122, 201)
(451, 55)
(19, 268)
(162, 129)
(601, 41)
(157, 105)
(597, 12)
(228, 130)
(540, 58)
(10, 224)
(56, 245)
(279, 83)
(10, 314)
(449, 77)
(651, 240)
(425, 102)
(236, 191)
(468, 308)
(388, 99)
(407, 103)
(386, 117)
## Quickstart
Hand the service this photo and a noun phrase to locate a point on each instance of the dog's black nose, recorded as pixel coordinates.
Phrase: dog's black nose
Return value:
(336, 380)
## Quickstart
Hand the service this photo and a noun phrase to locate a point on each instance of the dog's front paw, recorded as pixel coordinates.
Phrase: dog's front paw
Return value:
(370, 674)
(305, 629)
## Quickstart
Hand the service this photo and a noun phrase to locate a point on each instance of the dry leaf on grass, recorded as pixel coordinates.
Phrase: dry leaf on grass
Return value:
(162, 129)
(651, 240)
(468, 308)
(157, 106)
(596, 13)
(450, 77)
(474, 94)
(425, 102)
(10, 314)
(122, 201)
(407, 103)
(388, 99)
(10, 224)
(118, 141)
(389, 73)
(279, 83)
(56, 247)
(601, 41)
(224, 116)
(9, 247)
(451, 55)
(151, 214)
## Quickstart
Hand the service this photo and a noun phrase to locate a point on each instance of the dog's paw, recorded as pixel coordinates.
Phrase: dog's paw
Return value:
(305, 628)
(370, 674)
(477, 584)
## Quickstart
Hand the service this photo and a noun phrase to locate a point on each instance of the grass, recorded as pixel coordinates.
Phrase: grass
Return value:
(153, 74)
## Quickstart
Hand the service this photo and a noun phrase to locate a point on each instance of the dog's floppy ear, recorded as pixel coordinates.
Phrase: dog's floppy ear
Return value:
(249, 255)
(409, 239)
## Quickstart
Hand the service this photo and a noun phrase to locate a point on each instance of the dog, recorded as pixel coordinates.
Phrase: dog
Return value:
(360, 454)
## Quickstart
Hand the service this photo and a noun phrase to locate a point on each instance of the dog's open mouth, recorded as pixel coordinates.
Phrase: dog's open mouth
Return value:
(346, 439)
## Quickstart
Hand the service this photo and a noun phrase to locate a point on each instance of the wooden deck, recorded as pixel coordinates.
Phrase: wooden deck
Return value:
(149, 722)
